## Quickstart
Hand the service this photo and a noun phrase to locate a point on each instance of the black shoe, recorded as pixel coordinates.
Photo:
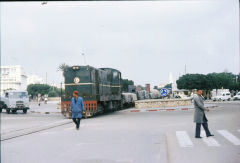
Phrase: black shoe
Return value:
(210, 135)
(198, 137)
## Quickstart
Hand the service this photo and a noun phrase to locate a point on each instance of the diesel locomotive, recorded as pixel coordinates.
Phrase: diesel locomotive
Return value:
(99, 87)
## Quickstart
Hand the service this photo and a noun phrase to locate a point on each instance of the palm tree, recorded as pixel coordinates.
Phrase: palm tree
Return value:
(62, 67)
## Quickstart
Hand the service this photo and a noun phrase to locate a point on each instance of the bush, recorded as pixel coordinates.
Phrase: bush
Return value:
(53, 94)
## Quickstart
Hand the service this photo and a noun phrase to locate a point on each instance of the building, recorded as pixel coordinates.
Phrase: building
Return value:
(34, 79)
(13, 77)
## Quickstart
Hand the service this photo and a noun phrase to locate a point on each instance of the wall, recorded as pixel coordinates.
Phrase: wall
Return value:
(158, 103)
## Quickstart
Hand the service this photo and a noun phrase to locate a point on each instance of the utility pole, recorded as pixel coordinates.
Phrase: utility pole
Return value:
(84, 58)
(185, 69)
(46, 77)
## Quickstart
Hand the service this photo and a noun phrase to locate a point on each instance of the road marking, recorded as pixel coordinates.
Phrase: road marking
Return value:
(183, 139)
(230, 137)
(210, 141)
(239, 130)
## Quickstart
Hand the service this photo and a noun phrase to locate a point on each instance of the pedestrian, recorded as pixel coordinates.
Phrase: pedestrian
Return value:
(39, 99)
(77, 107)
(45, 99)
(199, 114)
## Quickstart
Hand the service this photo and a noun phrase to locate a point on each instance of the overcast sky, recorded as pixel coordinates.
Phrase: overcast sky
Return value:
(144, 40)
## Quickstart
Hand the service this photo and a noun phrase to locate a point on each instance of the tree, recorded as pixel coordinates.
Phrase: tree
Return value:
(168, 85)
(208, 82)
(125, 83)
(53, 94)
(63, 66)
(34, 89)
(191, 81)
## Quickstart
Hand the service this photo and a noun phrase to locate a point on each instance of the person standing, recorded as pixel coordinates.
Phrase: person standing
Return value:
(77, 107)
(39, 99)
(199, 114)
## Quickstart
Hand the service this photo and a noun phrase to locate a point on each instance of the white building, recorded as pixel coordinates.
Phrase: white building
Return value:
(13, 77)
(34, 79)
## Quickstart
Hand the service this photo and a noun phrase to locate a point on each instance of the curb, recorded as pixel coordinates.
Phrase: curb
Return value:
(32, 130)
(45, 112)
(165, 109)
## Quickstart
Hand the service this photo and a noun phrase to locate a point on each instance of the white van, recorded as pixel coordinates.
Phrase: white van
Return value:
(15, 100)
(222, 97)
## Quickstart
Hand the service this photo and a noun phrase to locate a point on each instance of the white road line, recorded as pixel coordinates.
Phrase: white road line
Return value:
(183, 139)
(230, 137)
(210, 141)
(239, 130)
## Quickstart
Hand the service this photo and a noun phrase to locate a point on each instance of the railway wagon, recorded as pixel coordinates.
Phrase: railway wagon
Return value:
(99, 88)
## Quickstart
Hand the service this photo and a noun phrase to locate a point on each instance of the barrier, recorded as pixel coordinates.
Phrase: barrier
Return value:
(160, 103)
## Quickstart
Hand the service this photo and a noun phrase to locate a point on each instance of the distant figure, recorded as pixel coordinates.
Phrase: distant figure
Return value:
(77, 107)
(45, 99)
(199, 114)
(39, 99)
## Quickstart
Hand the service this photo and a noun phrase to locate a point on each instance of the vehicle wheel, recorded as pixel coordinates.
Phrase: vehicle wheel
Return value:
(8, 111)
(24, 111)
(14, 111)
(229, 99)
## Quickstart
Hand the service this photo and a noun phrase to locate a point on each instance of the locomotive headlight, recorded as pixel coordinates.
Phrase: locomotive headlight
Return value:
(75, 67)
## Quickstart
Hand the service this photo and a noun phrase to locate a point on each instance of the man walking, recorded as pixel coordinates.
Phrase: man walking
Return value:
(199, 114)
(77, 107)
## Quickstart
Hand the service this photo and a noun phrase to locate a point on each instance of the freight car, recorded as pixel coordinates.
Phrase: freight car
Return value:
(100, 89)
(128, 99)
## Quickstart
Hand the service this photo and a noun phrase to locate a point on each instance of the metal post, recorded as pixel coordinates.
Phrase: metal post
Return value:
(61, 89)
(185, 69)
(46, 77)
(84, 59)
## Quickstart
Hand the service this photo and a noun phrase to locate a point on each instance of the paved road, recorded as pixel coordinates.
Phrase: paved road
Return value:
(35, 117)
(133, 137)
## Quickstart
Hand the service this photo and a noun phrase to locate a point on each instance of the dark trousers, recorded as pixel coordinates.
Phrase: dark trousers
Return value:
(77, 121)
(198, 128)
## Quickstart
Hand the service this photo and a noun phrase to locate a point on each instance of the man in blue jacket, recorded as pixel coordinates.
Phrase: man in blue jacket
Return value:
(77, 107)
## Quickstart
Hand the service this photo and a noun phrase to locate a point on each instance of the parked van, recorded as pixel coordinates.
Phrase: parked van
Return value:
(15, 100)
(222, 97)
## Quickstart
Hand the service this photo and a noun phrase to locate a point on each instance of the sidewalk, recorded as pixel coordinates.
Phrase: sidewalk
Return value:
(49, 108)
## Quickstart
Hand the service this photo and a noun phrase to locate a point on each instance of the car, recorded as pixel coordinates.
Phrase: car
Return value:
(237, 96)
(176, 96)
(222, 97)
